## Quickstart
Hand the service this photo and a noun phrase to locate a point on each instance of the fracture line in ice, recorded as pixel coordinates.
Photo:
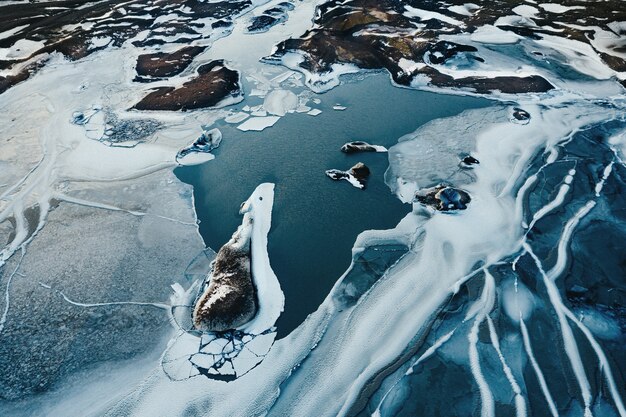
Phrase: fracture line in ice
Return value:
(562, 311)
(520, 402)
(558, 200)
(604, 363)
(7, 296)
(86, 203)
(569, 342)
(115, 303)
(427, 354)
(537, 369)
(6, 193)
(479, 311)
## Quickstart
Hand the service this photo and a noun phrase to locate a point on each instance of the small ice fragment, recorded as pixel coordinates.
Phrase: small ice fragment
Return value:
(303, 109)
(314, 112)
(236, 117)
(258, 92)
(339, 107)
(258, 123)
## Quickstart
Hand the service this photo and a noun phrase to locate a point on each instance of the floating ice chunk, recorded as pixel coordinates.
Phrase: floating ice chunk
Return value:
(258, 123)
(360, 146)
(279, 102)
(339, 107)
(525, 10)
(259, 113)
(468, 9)
(282, 77)
(236, 117)
(558, 8)
(314, 112)
(198, 151)
(256, 92)
(303, 109)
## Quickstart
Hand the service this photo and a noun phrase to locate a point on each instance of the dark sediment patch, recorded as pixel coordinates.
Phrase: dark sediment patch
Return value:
(214, 83)
(71, 27)
(162, 65)
(378, 34)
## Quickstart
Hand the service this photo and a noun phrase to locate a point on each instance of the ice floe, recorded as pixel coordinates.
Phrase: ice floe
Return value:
(258, 123)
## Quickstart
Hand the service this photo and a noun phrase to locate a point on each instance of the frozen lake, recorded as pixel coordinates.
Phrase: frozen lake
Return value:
(315, 220)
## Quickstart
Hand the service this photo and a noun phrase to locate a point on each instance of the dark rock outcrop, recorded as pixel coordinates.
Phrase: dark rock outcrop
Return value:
(214, 83)
(208, 140)
(230, 299)
(357, 175)
(163, 65)
(360, 146)
(468, 162)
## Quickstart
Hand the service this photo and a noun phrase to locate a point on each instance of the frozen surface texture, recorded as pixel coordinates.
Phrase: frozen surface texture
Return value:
(501, 293)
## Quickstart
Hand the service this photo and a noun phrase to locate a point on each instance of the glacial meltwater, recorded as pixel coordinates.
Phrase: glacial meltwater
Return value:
(315, 220)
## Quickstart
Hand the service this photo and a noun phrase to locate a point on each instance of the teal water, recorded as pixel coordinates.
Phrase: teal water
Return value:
(315, 220)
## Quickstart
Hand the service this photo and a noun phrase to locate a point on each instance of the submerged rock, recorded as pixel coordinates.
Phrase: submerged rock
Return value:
(230, 300)
(357, 175)
(360, 146)
(443, 198)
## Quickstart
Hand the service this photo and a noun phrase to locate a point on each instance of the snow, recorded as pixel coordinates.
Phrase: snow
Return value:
(558, 8)
(494, 35)
(410, 67)
(425, 15)
(467, 9)
(525, 10)
(11, 32)
(21, 49)
(257, 210)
